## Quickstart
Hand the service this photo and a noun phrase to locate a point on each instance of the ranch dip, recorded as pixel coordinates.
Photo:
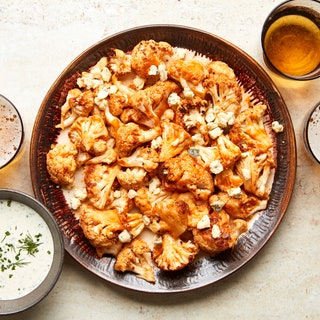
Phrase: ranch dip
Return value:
(26, 250)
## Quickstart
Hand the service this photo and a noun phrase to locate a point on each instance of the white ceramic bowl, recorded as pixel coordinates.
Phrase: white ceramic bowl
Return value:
(31, 254)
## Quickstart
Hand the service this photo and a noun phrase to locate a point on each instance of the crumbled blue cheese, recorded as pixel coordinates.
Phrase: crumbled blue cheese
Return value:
(117, 194)
(132, 193)
(277, 127)
(217, 205)
(225, 119)
(204, 222)
(215, 133)
(173, 99)
(215, 231)
(216, 167)
(125, 236)
(235, 192)
(198, 139)
(210, 116)
(153, 71)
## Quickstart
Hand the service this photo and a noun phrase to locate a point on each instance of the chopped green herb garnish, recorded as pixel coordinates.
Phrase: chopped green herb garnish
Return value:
(9, 203)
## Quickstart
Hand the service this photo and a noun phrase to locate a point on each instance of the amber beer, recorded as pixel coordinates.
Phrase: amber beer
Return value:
(291, 41)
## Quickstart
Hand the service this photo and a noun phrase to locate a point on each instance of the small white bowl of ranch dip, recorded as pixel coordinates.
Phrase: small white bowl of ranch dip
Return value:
(31, 251)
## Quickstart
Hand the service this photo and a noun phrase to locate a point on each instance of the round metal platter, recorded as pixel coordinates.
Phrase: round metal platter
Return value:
(205, 270)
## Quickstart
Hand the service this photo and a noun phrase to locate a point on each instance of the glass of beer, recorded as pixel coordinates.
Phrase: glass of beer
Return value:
(291, 39)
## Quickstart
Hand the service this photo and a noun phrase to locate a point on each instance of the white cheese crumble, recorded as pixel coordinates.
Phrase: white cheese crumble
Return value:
(154, 185)
(125, 236)
(204, 222)
(139, 82)
(173, 99)
(188, 93)
(215, 231)
(215, 133)
(162, 72)
(216, 167)
(217, 205)
(153, 71)
(132, 193)
(235, 192)
(277, 127)
(246, 173)
(117, 194)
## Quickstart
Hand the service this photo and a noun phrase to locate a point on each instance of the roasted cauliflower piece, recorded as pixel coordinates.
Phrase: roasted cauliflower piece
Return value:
(61, 163)
(242, 207)
(152, 101)
(108, 157)
(228, 151)
(77, 104)
(136, 257)
(183, 173)
(98, 179)
(143, 157)
(227, 181)
(148, 53)
(146, 199)
(133, 222)
(171, 216)
(174, 140)
(256, 172)
(248, 131)
(89, 134)
(132, 178)
(196, 209)
(221, 234)
(121, 201)
(130, 136)
(120, 62)
(101, 228)
(173, 254)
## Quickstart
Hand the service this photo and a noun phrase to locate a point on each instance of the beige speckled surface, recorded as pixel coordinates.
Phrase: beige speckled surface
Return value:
(38, 40)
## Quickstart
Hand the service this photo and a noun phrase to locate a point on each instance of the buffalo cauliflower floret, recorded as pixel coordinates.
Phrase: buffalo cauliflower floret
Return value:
(89, 134)
(174, 140)
(228, 180)
(120, 62)
(145, 200)
(217, 68)
(222, 234)
(136, 257)
(248, 131)
(77, 104)
(196, 209)
(147, 54)
(133, 222)
(242, 207)
(108, 157)
(226, 94)
(117, 103)
(143, 157)
(184, 173)
(152, 101)
(121, 201)
(132, 178)
(101, 228)
(173, 254)
(228, 151)
(97, 75)
(171, 216)
(256, 172)
(61, 163)
(190, 73)
(99, 179)
(130, 136)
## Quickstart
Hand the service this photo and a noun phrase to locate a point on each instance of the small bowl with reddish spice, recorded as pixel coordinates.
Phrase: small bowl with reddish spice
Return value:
(11, 131)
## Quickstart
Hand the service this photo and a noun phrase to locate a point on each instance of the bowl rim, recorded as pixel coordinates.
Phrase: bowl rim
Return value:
(6, 101)
(25, 302)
